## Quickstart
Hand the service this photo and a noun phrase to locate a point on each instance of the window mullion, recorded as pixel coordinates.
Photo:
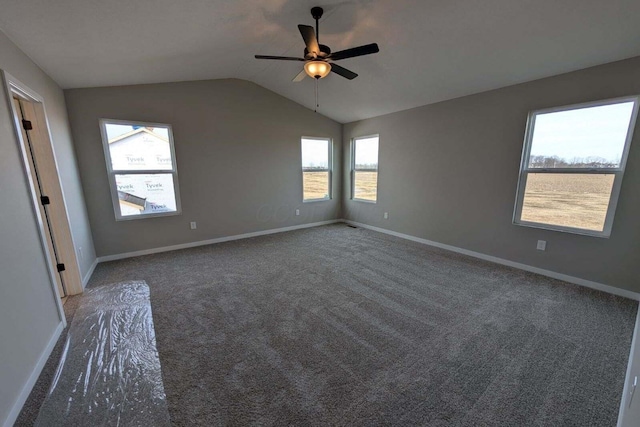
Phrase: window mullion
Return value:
(601, 171)
(143, 172)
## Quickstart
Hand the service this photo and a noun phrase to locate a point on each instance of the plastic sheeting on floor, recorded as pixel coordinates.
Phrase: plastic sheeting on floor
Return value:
(109, 373)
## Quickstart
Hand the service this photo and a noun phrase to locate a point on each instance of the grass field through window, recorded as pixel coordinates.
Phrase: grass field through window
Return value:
(315, 185)
(568, 200)
(366, 186)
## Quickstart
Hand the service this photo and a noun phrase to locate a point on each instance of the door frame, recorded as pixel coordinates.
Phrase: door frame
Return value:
(58, 213)
(13, 87)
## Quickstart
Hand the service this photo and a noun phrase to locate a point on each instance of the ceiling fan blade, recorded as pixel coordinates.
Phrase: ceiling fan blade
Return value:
(309, 36)
(281, 58)
(355, 51)
(301, 75)
(341, 71)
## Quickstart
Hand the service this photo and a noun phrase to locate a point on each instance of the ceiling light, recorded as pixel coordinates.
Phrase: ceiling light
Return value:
(317, 69)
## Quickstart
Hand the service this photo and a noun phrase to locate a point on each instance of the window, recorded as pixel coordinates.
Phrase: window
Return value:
(316, 169)
(364, 169)
(141, 163)
(572, 166)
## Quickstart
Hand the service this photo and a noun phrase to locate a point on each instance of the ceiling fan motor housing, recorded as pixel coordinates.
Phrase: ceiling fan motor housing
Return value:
(324, 52)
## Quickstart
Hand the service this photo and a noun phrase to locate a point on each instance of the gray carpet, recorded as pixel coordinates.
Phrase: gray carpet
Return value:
(342, 326)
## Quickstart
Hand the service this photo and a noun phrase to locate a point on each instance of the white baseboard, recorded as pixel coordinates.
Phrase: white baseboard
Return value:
(624, 406)
(87, 276)
(212, 241)
(28, 386)
(571, 279)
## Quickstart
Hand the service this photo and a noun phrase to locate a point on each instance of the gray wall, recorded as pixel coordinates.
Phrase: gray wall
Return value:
(28, 313)
(448, 173)
(238, 155)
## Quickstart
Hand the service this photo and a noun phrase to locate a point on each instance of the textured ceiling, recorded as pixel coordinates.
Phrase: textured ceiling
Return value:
(430, 50)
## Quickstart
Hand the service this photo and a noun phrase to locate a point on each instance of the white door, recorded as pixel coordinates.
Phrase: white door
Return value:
(44, 174)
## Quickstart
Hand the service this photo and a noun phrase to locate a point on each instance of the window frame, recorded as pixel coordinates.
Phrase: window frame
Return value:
(618, 172)
(111, 173)
(354, 170)
(329, 169)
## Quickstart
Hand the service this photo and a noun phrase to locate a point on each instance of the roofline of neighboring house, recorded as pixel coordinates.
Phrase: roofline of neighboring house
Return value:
(133, 132)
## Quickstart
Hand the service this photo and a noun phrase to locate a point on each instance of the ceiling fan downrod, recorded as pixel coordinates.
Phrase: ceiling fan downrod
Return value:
(317, 12)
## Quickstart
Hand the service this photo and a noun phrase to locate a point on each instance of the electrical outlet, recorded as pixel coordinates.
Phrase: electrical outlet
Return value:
(80, 254)
(297, 212)
(193, 225)
(542, 245)
(386, 215)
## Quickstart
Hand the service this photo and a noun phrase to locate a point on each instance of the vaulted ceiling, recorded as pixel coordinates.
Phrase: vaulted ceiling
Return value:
(430, 50)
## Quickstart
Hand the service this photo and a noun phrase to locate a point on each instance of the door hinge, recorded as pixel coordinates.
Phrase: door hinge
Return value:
(60, 268)
(26, 124)
(45, 200)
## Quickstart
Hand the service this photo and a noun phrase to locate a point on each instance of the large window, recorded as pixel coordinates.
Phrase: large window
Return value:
(142, 169)
(316, 169)
(364, 169)
(572, 166)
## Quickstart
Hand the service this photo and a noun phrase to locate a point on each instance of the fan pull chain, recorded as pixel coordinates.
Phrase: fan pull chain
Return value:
(317, 104)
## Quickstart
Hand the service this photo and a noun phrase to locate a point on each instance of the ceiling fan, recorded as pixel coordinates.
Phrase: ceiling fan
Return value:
(318, 59)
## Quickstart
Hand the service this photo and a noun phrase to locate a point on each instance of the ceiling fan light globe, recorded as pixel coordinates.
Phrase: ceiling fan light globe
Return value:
(317, 69)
